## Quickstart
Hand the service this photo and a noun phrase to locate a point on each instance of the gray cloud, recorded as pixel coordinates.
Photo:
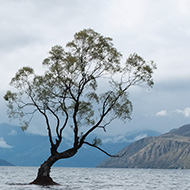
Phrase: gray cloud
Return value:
(157, 30)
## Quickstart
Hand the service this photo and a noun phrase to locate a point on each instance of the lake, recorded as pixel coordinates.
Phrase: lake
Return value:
(16, 178)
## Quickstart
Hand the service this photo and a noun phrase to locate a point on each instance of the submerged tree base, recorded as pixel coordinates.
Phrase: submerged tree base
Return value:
(44, 181)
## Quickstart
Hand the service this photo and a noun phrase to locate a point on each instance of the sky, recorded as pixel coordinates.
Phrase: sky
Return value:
(156, 30)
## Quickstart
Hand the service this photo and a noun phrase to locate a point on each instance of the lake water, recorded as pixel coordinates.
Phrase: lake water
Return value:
(16, 178)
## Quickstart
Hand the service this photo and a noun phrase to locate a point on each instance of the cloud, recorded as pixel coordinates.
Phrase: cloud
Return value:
(30, 28)
(185, 112)
(141, 136)
(3, 144)
(183, 6)
(118, 14)
(13, 133)
(122, 139)
(162, 113)
(115, 139)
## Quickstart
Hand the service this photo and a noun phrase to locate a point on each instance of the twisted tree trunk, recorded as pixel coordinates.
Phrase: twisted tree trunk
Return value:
(43, 176)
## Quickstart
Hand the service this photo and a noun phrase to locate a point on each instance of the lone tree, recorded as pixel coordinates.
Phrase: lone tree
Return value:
(84, 87)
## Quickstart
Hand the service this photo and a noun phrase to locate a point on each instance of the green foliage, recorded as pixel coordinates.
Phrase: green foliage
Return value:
(22, 77)
(140, 71)
(10, 96)
(68, 92)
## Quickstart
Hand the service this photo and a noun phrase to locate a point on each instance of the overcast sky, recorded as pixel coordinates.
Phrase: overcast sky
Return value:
(156, 30)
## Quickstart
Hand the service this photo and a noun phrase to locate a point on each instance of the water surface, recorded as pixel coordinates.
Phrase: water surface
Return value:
(17, 178)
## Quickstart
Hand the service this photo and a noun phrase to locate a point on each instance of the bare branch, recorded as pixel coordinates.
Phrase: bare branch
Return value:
(92, 145)
(107, 123)
(103, 127)
(64, 125)
(57, 119)
(46, 118)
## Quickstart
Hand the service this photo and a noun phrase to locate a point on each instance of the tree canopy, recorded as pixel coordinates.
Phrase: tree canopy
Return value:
(84, 87)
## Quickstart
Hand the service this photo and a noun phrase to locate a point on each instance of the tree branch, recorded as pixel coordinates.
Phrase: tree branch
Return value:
(46, 118)
(92, 145)
(57, 118)
(104, 113)
(64, 125)
(81, 87)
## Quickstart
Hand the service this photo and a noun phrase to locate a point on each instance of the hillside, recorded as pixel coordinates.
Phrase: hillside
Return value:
(24, 149)
(5, 163)
(170, 150)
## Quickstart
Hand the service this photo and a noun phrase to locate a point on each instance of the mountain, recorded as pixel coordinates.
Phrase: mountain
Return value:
(167, 151)
(16, 146)
(5, 163)
(24, 149)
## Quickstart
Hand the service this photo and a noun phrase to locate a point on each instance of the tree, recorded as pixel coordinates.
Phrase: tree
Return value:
(69, 93)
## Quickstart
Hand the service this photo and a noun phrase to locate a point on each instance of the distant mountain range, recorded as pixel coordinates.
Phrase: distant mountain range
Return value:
(168, 151)
(5, 163)
(24, 149)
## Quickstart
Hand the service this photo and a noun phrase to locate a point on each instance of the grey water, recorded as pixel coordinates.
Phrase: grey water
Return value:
(17, 178)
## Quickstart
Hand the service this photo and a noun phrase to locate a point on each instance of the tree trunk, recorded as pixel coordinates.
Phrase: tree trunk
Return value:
(43, 176)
